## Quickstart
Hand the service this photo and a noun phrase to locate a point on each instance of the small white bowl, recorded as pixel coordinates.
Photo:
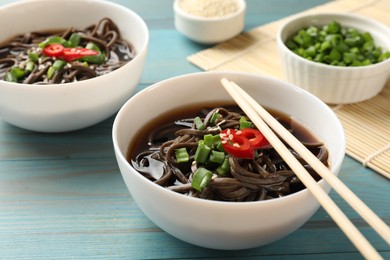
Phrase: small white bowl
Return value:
(215, 224)
(209, 30)
(335, 84)
(70, 106)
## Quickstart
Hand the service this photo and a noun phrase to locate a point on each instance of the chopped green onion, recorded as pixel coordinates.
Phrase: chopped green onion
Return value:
(9, 77)
(93, 46)
(30, 65)
(59, 64)
(216, 139)
(18, 73)
(291, 45)
(324, 46)
(224, 168)
(244, 123)
(384, 56)
(201, 178)
(50, 72)
(199, 124)
(312, 31)
(219, 146)
(208, 140)
(334, 55)
(33, 56)
(51, 40)
(214, 117)
(217, 157)
(95, 59)
(336, 45)
(367, 37)
(333, 27)
(202, 152)
(74, 40)
(182, 155)
(310, 52)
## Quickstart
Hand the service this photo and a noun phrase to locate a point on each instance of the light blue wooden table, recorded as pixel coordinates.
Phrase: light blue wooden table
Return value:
(62, 195)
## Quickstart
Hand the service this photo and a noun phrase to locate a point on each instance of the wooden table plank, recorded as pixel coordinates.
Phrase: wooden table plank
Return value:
(62, 195)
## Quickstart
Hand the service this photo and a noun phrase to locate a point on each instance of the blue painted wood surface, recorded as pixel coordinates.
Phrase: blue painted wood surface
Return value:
(62, 195)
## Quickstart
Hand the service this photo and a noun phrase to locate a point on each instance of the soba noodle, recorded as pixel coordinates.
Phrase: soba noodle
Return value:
(265, 177)
(105, 34)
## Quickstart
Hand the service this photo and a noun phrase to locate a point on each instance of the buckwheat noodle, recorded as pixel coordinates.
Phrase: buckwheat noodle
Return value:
(265, 177)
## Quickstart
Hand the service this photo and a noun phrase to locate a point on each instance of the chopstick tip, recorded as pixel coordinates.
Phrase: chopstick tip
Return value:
(224, 81)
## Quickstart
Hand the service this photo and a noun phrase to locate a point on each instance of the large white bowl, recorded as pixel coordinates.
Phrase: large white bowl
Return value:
(71, 106)
(335, 84)
(223, 225)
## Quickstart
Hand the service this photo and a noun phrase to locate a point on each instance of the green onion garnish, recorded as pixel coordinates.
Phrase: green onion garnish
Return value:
(17, 72)
(182, 155)
(59, 64)
(30, 65)
(9, 77)
(51, 40)
(217, 157)
(33, 57)
(199, 124)
(208, 140)
(201, 178)
(214, 117)
(74, 40)
(202, 152)
(50, 72)
(224, 168)
(336, 45)
(244, 123)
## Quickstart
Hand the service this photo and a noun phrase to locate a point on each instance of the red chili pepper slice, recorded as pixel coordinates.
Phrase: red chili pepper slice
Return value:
(70, 54)
(53, 50)
(255, 137)
(236, 145)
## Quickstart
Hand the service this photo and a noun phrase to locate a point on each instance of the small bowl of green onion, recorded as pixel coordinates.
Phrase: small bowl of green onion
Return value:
(341, 58)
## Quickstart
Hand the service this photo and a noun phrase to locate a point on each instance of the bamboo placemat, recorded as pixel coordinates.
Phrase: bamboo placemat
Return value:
(366, 124)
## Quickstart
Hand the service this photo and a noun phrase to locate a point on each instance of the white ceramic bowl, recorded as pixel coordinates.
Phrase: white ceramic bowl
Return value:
(213, 224)
(209, 30)
(334, 84)
(71, 106)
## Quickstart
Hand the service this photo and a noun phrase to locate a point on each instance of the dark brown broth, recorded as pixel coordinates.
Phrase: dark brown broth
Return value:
(140, 142)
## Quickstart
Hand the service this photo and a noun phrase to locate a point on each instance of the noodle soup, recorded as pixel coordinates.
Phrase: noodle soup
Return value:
(60, 92)
(64, 56)
(198, 151)
(229, 224)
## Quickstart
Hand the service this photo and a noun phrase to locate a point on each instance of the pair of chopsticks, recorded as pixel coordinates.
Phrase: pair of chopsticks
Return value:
(264, 122)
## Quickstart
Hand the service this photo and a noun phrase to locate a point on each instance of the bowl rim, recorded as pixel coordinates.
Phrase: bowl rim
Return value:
(142, 51)
(364, 19)
(189, 16)
(120, 117)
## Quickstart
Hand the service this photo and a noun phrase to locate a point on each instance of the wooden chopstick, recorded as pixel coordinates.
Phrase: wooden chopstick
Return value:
(362, 209)
(260, 117)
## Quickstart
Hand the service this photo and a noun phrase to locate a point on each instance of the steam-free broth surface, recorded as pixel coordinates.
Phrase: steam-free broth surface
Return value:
(263, 176)
(35, 57)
